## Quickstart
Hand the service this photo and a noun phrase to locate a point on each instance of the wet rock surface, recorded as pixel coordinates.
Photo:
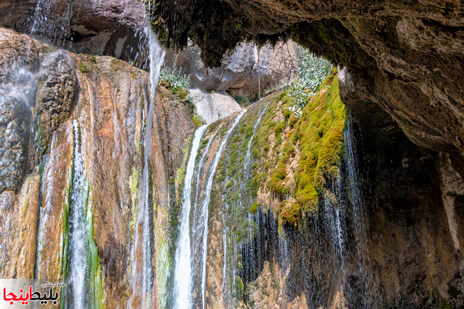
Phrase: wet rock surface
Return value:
(107, 99)
(90, 26)
(387, 235)
(285, 228)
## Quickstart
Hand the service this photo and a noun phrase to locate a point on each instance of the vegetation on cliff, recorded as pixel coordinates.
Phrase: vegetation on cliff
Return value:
(293, 157)
(276, 164)
(178, 83)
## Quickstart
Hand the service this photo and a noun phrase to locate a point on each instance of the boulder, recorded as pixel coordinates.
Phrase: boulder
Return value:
(213, 106)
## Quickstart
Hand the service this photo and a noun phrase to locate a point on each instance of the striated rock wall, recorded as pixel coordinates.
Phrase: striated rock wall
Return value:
(120, 29)
(113, 28)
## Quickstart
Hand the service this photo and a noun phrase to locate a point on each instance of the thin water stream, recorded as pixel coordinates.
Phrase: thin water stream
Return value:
(143, 271)
(206, 200)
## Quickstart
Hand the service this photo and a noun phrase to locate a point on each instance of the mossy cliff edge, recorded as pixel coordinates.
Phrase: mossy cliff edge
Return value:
(276, 162)
(301, 205)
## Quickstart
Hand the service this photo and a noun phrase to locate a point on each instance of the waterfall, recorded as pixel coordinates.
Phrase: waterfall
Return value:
(78, 271)
(183, 268)
(143, 274)
(355, 194)
(146, 209)
(206, 200)
(360, 224)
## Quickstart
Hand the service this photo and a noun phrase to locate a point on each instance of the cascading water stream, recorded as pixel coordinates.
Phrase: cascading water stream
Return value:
(202, 160)
(79, 264)
(183, 268)
(206, 200)
(145, 214)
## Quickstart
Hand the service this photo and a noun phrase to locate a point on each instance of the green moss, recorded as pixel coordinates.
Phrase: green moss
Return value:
(253, 208)
(204, 143)
(96, 280)
(65, 233)
(198, 120)
(239, 288)
(278, 178)
(293, 120)
(183, 94)
(320, 133)
(133, 182)
(319, 136)
(287, 112)
(289, 213)
(134, 73)
(230, 184)
(241, 100)
(142, 101)
(83, 68)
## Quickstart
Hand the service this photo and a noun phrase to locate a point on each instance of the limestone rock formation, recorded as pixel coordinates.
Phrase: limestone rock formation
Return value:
(56, 92)
(112, 28)
(119, 29)
(14, 132)
(327, 211)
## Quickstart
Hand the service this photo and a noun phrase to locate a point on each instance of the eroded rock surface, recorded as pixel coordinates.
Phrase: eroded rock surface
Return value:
(405, 57)
(91, 26)
(14, 133)
(57, 87)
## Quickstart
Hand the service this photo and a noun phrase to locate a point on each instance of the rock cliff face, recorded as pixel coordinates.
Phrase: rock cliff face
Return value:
(113, 28)
(243, 72)
(356, 203)
(58, 107)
